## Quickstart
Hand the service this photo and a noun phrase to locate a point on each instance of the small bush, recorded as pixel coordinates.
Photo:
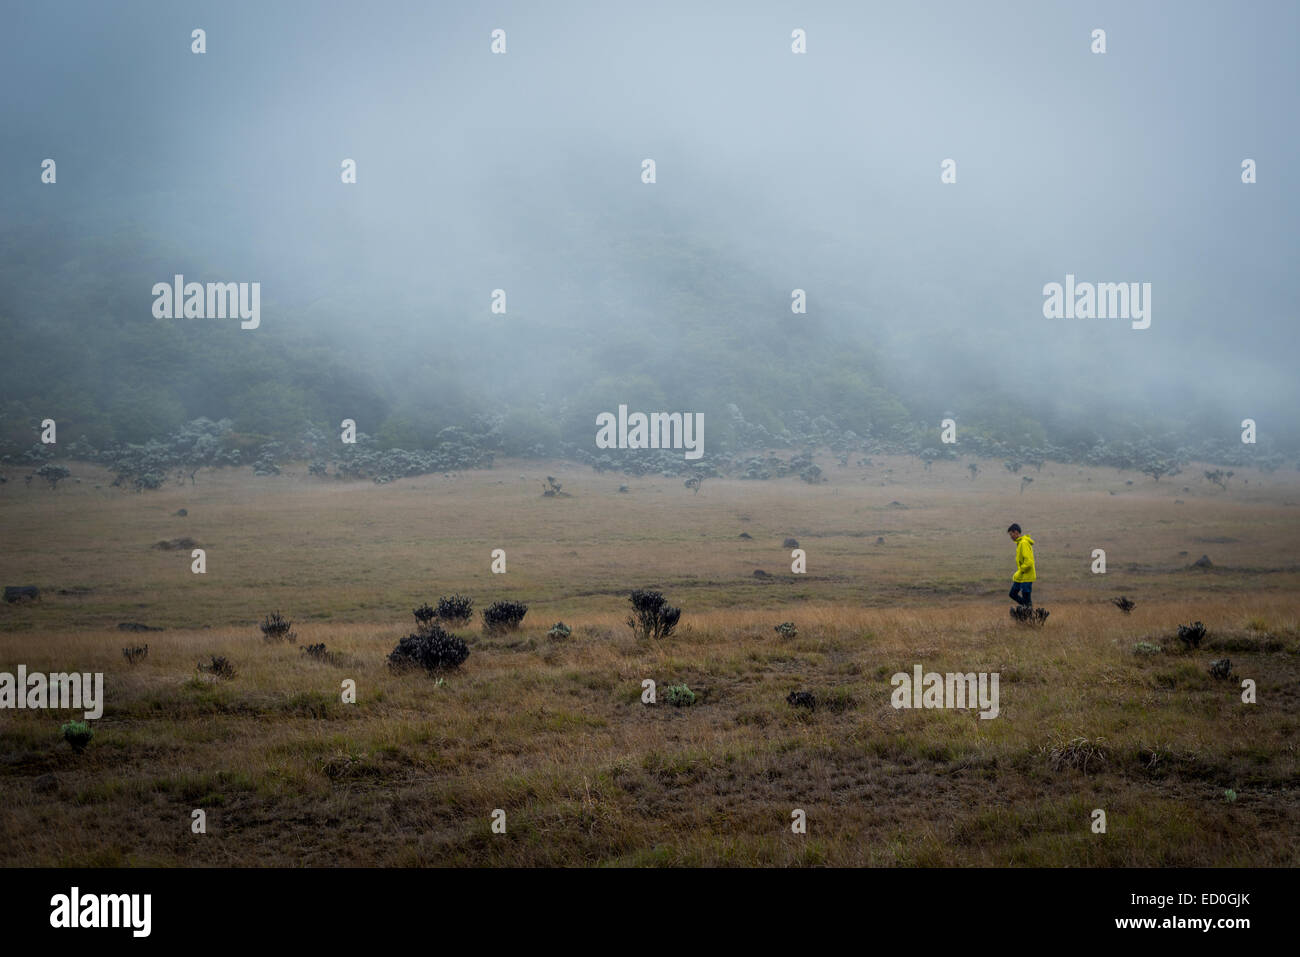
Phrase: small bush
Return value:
(455, 610)
(801, 699)
(136, 654)
(787, 629)
(276, 628)
(503, 616)
(424, 615)
(679, 696)
(652, 616)
(790, 543)
(1124, 604)
(1026, 615)
(77, 734)
(559, 631)
(219, 667)
(1221, 669)
(432, 649)
(319, 653)
(1146, 648)
(1191, 635)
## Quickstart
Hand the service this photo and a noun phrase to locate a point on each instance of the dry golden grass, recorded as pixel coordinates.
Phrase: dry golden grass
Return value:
(554, 732)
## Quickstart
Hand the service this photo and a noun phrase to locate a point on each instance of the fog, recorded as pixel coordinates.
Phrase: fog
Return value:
(774, 172)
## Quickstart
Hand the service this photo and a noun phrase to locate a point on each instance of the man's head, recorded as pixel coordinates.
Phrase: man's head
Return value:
(1014, 531)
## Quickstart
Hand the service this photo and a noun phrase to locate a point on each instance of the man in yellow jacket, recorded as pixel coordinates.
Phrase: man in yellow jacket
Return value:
(1022, 582)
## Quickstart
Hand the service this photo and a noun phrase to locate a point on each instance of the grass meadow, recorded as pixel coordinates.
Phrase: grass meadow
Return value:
(904, 566)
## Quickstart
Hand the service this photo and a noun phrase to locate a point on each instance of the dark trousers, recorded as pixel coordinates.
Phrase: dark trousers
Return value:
(1020, 593)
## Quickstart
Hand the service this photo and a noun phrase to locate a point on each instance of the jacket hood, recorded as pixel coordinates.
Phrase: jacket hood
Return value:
(1026, 538)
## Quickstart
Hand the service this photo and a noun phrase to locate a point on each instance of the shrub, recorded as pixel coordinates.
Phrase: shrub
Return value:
(220, 667)
(652, 616)
(679, 696)
(1030, 616)
(277, 628)
(456, 610)
(787, 629)
(1222, 668)
(801, 699)
(1146, 648)
(424, 615)
(54, 474)
(1192, 635)
(320, 654)
(136, 654)
(559, 631)
(431, 649)
(77, 734)
(503, 616)
(1124, 604)
(790, 543)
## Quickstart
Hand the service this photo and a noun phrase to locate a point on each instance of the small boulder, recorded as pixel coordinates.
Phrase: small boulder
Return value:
(175, 543)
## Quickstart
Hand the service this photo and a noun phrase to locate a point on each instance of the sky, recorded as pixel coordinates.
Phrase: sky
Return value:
(775, 171)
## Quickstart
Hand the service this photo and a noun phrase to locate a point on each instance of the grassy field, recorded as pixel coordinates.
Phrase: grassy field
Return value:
(904, 567)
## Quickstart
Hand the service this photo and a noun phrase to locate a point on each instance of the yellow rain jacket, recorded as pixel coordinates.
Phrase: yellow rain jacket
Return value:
(1024, 559)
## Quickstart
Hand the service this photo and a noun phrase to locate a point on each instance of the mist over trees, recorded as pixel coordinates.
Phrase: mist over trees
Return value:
(923, 299)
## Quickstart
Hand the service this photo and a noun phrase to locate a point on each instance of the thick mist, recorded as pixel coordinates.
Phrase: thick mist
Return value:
(775, 171)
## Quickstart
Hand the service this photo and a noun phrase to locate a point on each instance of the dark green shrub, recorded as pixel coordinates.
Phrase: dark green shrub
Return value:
(787, 629)
(559, 631)
(277, 628)
(77, 734)
(456, 610)
(1026, 615)
(1221, 669)
(503, 616)
(1191, 635)
(652, 616)
(319, 653)
(220, 667)
(431, 649)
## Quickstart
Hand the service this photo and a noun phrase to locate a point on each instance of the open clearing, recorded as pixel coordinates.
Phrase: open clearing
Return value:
(904, 567)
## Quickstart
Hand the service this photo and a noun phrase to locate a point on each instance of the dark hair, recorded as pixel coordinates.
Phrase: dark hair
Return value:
(1014, 527)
